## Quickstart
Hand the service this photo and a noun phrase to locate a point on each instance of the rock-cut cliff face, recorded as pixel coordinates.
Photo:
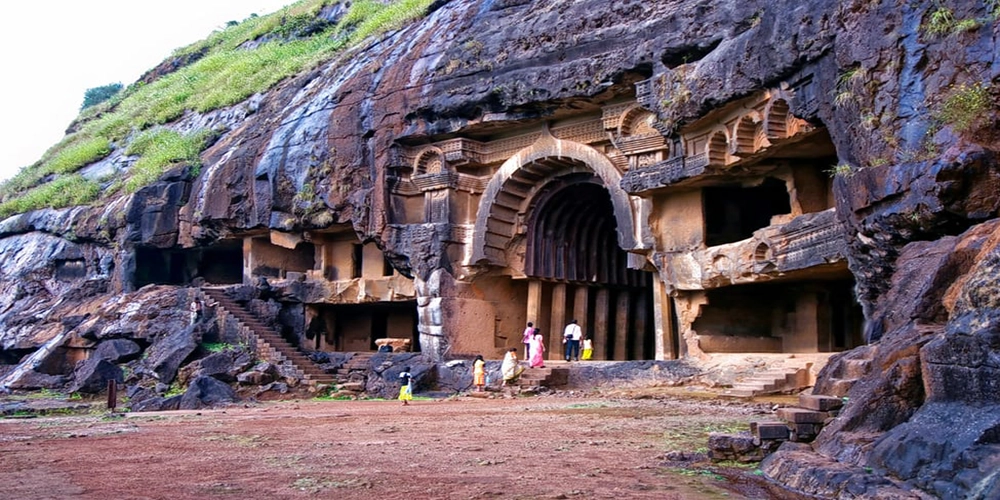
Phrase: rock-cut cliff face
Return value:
(907, 93)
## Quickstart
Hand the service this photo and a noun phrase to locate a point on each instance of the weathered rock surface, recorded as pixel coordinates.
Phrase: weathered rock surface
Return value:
(117, 350)
(34, 380)
(262, 374)
(205, 392)
(223, 366)
(166, 355)
(92, 375)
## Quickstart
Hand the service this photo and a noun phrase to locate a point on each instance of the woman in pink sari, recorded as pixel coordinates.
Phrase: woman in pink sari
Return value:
(537, 348)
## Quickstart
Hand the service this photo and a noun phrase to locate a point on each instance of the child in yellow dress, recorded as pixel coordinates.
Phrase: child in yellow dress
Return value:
(406, 386)
(479, 373)
(588, 349)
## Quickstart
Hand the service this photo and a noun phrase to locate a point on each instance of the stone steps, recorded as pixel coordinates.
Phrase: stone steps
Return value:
(771, 382)
(360, 362)
(268, 344)
(544, 377)
(850, 372)
(801, 423)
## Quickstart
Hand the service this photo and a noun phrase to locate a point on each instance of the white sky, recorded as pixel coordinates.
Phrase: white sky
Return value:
(53, 51)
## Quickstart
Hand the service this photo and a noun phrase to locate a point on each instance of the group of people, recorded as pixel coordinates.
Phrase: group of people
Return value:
(510, 368)
(534, 353)
(573, 339)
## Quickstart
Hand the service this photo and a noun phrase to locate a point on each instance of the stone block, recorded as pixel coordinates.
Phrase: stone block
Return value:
(819, 403)
(769, 430)
(802, 416)
(806, 430)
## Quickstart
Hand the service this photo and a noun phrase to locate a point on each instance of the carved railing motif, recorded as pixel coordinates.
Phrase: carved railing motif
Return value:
(663, 173)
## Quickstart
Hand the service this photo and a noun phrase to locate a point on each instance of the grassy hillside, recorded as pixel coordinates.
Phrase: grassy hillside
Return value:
(228, 71)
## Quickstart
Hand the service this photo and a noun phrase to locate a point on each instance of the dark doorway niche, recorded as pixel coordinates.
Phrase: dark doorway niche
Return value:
(71, 269)
(273, 261)
(800, 316)
(221, 263)
(573, 236)
(356, 327)
(14, 356)
(733, 213)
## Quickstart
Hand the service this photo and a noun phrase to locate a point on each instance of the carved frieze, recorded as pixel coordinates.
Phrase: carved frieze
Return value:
(805, 242)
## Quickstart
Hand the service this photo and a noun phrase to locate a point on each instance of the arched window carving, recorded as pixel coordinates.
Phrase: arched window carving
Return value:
(429, 161)
(777, 120)
(716, 149)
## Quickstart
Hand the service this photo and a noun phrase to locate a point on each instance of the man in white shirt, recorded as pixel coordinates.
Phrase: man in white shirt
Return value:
(571, 337)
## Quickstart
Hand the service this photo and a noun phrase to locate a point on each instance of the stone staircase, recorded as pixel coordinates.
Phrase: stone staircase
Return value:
(359, 364)
(776, 380)
(544, 377)
(269, 344)
(801, 423)
(850, 371)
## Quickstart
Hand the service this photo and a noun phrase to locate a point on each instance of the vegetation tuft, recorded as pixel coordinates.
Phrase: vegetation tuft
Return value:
(65, 191)
(964, 106)
(159, 149)
(237, 62)
(96, 95)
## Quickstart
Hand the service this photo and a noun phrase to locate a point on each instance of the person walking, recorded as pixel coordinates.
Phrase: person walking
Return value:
(529, 333)
(479, 373)
(537, 359)
(571, 337)
(510, 369)
(406, 386)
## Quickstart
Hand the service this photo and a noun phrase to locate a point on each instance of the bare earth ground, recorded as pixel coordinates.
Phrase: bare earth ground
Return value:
(611, 446)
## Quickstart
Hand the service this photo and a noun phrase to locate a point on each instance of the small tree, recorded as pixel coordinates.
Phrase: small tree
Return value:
(97, 95)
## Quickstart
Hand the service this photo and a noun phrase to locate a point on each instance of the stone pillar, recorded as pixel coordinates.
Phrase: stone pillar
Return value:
(534, 313)
(580, 304)
(663, 324)
(622, 322)
(430, 318)
(557, 321)
(805, 336)
(601, 320)
(247, 260)
(641, 328)
(688, 306)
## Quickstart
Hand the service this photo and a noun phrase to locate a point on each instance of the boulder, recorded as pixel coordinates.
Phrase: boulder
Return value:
(261, 374)
(32, 380)
(279, 387)
(117, 350)
(224, 366)
(206, 391)
(168, 352)
(92, 376)
(383, 381)
(157, 403)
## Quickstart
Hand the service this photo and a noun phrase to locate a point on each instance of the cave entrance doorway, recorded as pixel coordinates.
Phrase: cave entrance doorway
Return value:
(576, 270)
(733, 213)
(275, 261)
(220, 264)
(356, 327)
(793, 317)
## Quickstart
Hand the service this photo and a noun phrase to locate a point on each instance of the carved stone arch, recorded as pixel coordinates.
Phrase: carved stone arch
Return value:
(636, 121)
(717, 147)
(763, 259)
(429, 161)
(747, 136)
(511, 189)
(776, 121)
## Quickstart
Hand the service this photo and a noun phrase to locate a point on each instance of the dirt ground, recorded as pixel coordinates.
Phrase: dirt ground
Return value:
(558, 447)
